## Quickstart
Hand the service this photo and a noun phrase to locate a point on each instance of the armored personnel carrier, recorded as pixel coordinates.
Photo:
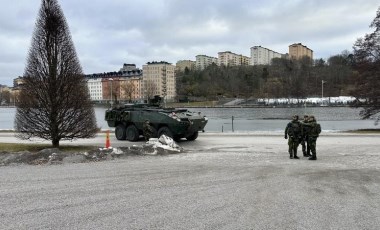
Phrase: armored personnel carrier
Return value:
(129, 119)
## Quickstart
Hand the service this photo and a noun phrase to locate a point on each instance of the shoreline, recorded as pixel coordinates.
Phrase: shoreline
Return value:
(180, 105)
(204, 139)
(276, 132)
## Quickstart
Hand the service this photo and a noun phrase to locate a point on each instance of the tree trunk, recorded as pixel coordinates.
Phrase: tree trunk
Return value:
(55, 143)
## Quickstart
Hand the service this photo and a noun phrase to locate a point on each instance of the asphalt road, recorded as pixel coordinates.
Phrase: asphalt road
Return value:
(220, 181)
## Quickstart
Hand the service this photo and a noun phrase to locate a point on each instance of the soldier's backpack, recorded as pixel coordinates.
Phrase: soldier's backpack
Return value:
(318, 128)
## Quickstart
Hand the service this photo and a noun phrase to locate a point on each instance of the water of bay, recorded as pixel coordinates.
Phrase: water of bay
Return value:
(248, 119)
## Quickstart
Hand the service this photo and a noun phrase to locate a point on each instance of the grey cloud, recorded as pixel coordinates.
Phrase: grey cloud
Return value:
(108, 33)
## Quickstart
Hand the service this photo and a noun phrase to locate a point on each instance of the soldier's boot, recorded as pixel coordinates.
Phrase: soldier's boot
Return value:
(308, 152)
(313, 157)
(291, 155)
(295, 155)
(304, 151)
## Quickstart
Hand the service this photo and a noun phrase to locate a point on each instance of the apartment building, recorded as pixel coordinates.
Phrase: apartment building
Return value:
(132, 83)
(263, 56)
(244, 60)
(183, 64)
(95, 88)
(122, 86)
(159, 79)
(128, 67)
(202, 61)
(228, 58)
(6, 95)
(131, 88)
(298, 51)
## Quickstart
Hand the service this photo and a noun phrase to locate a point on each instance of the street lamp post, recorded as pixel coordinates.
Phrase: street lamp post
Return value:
(323, 82)
(110, 79)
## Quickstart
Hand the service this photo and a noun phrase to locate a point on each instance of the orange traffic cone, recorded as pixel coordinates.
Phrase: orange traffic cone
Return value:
(108, 139)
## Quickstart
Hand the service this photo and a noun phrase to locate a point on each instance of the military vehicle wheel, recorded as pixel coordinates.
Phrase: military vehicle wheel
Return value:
(132, 134)
(165, 130)
(120, 132)
(154, 132)
(192, 136)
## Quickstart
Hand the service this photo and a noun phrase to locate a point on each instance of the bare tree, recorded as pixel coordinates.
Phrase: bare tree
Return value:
(128, 89)
(6, 97)
(150, 89)
(367, 64)
(54, 103)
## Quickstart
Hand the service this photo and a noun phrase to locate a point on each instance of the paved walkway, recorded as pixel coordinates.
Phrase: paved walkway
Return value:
(219, 182)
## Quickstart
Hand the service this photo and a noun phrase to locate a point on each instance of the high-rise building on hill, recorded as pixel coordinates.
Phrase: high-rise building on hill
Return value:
(202, 61)
(228, 58)
(263, 56)
(183, 64)
(298, 51)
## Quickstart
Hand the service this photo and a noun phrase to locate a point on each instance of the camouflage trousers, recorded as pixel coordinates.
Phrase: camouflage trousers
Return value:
(148, 133)
(312, 143)
(305, 146)
(293, 143)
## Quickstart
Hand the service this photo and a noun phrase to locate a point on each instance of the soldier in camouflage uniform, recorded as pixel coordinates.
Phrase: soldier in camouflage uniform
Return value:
(147, 130)
(315, 130)
(294, 131)
(305, 137)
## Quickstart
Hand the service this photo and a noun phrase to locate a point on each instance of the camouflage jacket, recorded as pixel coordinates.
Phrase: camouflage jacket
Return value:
(294, 129)
(147, 129)
(305, 128)
(315, 128)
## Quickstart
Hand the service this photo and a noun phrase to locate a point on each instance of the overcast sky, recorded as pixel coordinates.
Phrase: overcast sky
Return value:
(107, 34)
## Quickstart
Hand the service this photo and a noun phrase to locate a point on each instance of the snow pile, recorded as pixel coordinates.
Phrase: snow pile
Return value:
(163, 143)
(117, 151)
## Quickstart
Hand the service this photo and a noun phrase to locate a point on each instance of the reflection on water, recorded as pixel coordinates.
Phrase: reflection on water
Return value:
(250, 119)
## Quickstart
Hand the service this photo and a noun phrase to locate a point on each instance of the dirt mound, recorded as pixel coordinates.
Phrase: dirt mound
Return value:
(55, 156)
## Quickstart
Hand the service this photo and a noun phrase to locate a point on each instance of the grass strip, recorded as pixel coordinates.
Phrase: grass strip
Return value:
(15, 147)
